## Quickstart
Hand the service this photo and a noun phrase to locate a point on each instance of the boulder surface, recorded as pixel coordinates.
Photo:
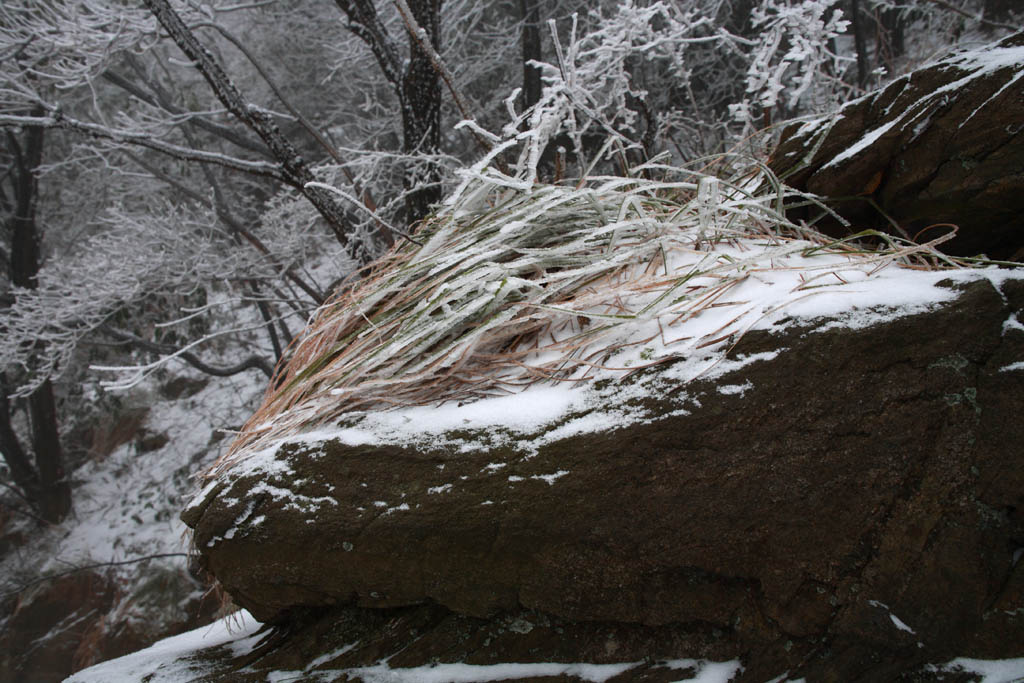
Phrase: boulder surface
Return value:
(941, 145)
(851, 509)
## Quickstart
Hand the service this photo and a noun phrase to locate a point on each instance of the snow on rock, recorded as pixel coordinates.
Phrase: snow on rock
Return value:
(212, 652)
(990, 671)
(850, 296)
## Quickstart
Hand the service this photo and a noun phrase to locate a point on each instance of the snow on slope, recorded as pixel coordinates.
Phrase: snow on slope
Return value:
(126, 505)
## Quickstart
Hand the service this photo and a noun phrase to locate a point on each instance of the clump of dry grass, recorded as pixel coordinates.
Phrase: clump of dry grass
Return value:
(511, 287)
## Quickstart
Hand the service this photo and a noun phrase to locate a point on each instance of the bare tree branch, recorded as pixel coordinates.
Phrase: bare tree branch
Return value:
(59, 120)
(87, 567)
(252, 362)
(296, 172)
(198, 121)
(232, 223)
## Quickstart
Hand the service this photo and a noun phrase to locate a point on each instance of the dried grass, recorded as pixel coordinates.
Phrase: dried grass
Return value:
(510, 288)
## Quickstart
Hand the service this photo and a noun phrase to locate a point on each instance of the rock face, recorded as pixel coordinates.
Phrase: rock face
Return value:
(851, 509)
(944, 144)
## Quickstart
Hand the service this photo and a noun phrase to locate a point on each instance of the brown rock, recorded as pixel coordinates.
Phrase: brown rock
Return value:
(870, 478)
(940, 145)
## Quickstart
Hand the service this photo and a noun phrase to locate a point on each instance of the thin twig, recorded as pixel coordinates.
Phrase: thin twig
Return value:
(981, 20)
(87, 567)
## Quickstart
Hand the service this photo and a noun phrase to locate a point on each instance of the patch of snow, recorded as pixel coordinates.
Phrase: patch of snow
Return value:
(991, 671)
(897, 622)
(733, 389)
(585, 424)
(1012, 323)
(550, 478)
(809, 127)
(323, 659)
(1008, 84)
(919, 127)
(707, 672)
(244, 646)
(900, 625)
(172, 660)
(481, 673)
(443, 488)
(294, 500)
(865, 141)
(542, 405)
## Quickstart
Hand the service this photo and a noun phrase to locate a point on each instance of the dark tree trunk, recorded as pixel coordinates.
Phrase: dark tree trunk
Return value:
(891, 40)
(421, 113)
(25, 254)
(860, 42)
(22, 471)
(418, 86)
(55, 491)
(47, 487)
(530, 12)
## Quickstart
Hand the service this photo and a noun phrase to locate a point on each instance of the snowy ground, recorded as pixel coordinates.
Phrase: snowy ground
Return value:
(126, 505)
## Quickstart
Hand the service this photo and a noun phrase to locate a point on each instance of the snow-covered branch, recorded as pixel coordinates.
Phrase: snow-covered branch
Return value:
(57, 119)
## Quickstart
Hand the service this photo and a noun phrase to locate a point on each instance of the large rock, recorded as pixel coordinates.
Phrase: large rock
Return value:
(852, 508)
(943, 144)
